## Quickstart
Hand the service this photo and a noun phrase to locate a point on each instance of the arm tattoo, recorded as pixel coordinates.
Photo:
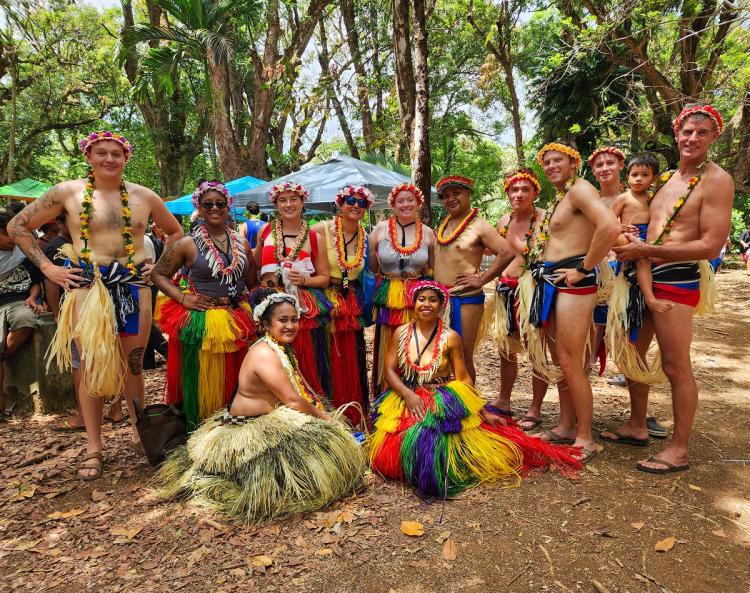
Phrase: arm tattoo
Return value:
(135, 361)
(21, 231)
(167, 266)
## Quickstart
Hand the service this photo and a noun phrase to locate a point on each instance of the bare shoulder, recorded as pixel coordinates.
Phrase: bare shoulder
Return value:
(504, 219)
(483, 227)
(378, 229)
(453, 340)
(718, 179)
(134, 189)
(319, 227)
(582, 189)
(265, 357)
(540, 212)
(57, 194)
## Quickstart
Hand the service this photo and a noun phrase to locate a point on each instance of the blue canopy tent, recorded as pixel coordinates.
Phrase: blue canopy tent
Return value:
(184, 205)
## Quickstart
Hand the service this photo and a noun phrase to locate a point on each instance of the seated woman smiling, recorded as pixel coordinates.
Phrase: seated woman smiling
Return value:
(273, 451)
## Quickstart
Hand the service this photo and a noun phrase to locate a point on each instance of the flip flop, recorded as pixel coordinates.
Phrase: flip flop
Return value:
(534, 423)
(588, 455)
(669, 468)
(66, 426)
(551, 436)
(83, 465)
(623, 439)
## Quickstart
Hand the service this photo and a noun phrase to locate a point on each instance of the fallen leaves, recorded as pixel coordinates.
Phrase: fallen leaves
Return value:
(23, 491)
(125, 535)
(638, 525)
(412, 528)
(666, 544)
(66, 514)
(694, 487)
(261, 560)
(449, 550)
(97, 496)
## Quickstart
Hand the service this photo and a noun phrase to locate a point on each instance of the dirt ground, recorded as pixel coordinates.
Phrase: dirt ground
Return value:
(600, 533)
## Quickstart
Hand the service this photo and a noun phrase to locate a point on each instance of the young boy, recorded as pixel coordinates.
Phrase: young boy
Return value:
(632, 208)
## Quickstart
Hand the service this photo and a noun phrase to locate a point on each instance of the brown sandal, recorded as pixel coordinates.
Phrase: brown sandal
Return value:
(87, 466)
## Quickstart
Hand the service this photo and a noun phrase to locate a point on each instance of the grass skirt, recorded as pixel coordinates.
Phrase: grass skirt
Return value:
(272, 466)
(496, 321)
(205, 352)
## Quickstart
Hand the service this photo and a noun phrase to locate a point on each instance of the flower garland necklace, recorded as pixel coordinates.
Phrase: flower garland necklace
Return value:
(87, 214)
(411, 249)
(339, 244)
(289, 362)
(237, 259)
(536, 252)
(422, 373)
(458, 231)
(278, 241)
(662, 181)
(528, 235)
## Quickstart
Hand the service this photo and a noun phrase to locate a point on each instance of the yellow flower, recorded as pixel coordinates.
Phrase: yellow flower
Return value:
(126, 212)
(664, 177)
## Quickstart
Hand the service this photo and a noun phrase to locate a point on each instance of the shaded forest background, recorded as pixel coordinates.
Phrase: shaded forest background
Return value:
(225, 88)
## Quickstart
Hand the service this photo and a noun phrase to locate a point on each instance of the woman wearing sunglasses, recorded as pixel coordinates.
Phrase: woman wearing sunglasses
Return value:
(210, 323)
(402, 252)
(346, 246)
(292, 259)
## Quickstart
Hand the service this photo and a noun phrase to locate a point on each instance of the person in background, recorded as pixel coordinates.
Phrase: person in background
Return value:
(250, 229)
(745, 249)
(48, 231)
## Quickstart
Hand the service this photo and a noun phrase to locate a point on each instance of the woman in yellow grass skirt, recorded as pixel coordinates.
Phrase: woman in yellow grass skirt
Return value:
(273, 451)
(432, 428)
(401, 252)
(210, 325)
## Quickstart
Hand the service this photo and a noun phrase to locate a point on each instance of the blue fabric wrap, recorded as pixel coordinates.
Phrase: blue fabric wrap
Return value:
(545, 290)
(642, 230)
(368, 288)
(456, 303)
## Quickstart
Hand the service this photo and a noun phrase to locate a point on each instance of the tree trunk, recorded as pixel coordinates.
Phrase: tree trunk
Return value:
(421, 161)
(377, 69)
(405, 84)
(741, 169)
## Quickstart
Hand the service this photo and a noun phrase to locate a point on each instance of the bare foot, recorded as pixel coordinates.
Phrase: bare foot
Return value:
(502, 404)
(493, 419)
(659, 305)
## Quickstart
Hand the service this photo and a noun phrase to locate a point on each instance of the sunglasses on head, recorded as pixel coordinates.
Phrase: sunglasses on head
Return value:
(351, 200)
(209, 205)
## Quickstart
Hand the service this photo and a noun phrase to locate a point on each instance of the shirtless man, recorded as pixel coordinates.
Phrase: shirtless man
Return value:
(518, 228)
(462, 238)
(576, 234)
(676, 241)
(101, 242)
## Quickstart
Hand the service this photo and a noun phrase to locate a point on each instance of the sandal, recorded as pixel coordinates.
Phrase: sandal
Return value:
(622, 439)
(99, 467)
(669, 468)
(550, 436)
(535, 422)
(66, 426)
(588, 454)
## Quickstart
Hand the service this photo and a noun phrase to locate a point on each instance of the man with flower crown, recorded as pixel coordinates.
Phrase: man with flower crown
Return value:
(107, 306)
(558, 293)
(690, 217)
(462, 238)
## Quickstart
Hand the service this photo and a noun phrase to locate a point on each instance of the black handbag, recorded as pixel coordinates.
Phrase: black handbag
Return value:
(162, 428)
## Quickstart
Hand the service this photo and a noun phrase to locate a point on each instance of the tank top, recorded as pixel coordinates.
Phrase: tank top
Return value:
(333, 260)
(203, 281)
(389, 257)
(268, 261)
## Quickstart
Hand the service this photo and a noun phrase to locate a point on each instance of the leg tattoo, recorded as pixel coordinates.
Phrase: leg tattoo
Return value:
(135, 361)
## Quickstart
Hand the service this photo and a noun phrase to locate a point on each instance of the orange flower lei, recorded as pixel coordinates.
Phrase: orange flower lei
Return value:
(87, 213)
(571, 152)
(511, 179)
(661, 182)
(339, 243)
(536, 252)
(411, 249)
(527, 235)
(613, 150)
(463, 225)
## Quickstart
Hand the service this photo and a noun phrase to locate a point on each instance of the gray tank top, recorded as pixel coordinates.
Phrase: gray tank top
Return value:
(389, 257)
(202, 279)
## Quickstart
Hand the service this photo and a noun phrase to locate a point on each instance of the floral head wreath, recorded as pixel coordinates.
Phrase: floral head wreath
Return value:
(410, 187)
(456, 181)
(613, 150)
(520, 175)
(421, 285)
(208, 186)
(271, 299)
(354, 191)
(571, 152)
(86, 143)
(708, 110)
(287, 186)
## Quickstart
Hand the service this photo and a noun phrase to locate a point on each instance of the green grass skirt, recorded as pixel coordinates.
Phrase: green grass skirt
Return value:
(272, 466)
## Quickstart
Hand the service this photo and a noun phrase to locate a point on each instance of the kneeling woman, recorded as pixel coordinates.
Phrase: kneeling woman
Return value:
(431, 428)
(273, 451)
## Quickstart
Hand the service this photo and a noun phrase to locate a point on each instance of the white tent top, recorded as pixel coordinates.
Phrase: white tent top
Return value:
(325, 180)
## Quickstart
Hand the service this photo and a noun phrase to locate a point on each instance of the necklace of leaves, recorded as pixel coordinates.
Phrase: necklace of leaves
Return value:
(528, 235)
(537, 251)
(278, 241)
(340, 244)
(661, 182)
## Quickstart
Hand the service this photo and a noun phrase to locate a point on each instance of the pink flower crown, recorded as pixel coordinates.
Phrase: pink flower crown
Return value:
(410, 187)
(420, 285)
(86, 143)
(708, 110)
(207, 186)
(287, 186)
(354, 191)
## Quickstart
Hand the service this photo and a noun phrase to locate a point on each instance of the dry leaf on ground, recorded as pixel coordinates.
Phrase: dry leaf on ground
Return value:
(65, 514)
(449, 550)
(666, 544)
(412, 528)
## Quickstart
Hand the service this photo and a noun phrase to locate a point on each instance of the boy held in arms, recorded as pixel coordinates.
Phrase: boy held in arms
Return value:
(632, 210)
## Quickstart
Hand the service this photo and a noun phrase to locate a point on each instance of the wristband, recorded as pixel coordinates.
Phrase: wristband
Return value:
(582, 270)
(182, 300)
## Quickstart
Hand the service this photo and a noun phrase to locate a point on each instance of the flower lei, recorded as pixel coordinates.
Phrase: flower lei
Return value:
(536, 252)
(289, 362)
(339, 244)
(661, 182)
(520, 176)
(276, 297)
(464, 224)
(286, 186)
(527, 235)
(87, 213)
(571, 152)
(613, 150)
(423, 373)
(216, 186)
(278, 241)
(86, 143)
(354, 191)
(708, 110)
(411, 249)
(410, 187)
(226, 274)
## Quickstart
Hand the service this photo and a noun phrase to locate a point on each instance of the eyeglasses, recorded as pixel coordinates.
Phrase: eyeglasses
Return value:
(351, 200)
(209, 205)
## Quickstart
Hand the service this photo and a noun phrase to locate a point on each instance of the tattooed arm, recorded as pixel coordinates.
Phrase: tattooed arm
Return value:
(33, 216)
(176, 255)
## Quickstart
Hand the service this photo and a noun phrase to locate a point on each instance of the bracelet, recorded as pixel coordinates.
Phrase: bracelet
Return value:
(304, 281)
(182, 300)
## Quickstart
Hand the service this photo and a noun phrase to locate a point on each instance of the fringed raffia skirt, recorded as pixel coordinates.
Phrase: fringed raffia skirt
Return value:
(346, 351)
(310, 345)
(268, 467)
(205, 352)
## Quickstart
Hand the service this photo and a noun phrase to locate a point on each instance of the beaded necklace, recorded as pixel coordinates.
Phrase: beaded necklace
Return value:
(339, 243)
(458, 231)
(237, 259)
(87, 214)
(422, 373)
(289, 362)
(537, 250)
(661, 182)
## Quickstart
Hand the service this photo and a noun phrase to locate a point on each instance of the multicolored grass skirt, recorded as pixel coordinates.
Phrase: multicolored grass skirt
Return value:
(452, 448)
(266, 467)
(205, 351)
(311, 344)
(347, 352)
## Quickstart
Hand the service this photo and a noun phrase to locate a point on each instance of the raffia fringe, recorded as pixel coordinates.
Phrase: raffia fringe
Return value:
(707, 304)
(495, 319)
(534, 337)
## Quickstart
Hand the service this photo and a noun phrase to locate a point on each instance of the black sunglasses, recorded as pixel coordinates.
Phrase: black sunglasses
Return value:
(351, 200)
(208, 205)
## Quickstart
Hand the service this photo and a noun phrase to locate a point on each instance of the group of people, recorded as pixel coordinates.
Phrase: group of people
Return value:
(266, 348)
